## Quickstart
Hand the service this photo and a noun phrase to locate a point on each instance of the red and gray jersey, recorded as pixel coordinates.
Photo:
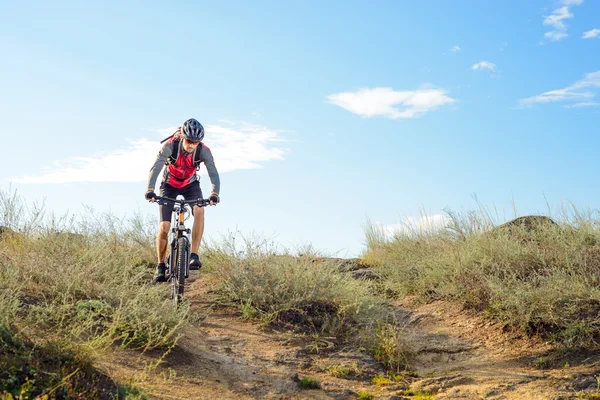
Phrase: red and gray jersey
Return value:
(182, 172)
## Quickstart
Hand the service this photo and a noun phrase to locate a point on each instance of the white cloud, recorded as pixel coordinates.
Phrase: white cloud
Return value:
(455, 48)
(584, 104)
(484, 65)
(235, 146)
(389, 103)
(557, 20)
(594, 33)
(571, 2)
(417, 225)
(555, 36)
(580, 92)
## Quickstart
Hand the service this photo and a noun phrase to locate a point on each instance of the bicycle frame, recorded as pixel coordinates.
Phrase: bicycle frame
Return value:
(180, 247)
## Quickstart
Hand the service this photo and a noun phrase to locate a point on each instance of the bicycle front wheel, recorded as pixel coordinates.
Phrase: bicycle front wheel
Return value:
(182, 262)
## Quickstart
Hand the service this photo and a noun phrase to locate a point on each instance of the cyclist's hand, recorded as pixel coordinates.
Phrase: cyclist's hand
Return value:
(150, 196)
(214, 199)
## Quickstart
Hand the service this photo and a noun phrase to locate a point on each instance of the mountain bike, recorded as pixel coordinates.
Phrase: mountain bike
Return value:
(178, 259)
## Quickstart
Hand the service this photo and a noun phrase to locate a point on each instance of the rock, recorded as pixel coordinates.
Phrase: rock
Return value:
(346, 264)
(8, 233)
(529, 223)
(434, 385)
(365, 273)
(294, 377)
(584, 382)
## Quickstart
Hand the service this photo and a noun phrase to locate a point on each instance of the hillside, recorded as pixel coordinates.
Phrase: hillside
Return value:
(475, 311)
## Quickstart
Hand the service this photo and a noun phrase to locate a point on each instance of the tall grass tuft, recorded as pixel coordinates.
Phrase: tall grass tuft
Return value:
(313, 297)
(540, 276)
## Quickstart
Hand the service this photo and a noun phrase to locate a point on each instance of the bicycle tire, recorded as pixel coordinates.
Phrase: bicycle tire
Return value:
(182, 261)
(173, 280)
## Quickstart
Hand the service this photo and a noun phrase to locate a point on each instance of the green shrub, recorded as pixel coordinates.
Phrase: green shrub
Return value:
(309, 383)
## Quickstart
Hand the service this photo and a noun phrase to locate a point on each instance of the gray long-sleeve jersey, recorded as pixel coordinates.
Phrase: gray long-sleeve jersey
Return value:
(182, 172)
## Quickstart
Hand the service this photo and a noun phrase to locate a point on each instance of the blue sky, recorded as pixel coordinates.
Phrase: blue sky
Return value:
(319, 115)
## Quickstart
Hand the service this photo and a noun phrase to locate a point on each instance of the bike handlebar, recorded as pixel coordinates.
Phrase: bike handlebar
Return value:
(197, 202)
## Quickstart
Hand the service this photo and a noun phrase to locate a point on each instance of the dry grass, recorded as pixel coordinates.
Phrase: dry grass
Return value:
(542, 278)
(69, 289)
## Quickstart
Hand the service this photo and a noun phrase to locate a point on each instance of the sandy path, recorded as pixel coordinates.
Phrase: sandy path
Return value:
(456, 353)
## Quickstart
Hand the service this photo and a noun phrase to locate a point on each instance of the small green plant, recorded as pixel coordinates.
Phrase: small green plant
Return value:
(248, 311)
(309, 383)
(389, 348)
(342, 371)
(381, 380)
(541, 363)
(131, 392)
(418, 395)
(365, 395)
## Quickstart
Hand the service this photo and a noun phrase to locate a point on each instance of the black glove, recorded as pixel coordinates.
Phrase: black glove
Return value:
(150, 194)
(214, 198)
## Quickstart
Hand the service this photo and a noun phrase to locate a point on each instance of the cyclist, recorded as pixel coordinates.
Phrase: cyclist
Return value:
(183, 153)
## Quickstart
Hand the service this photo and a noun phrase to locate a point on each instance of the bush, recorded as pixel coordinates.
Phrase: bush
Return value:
(314, 298)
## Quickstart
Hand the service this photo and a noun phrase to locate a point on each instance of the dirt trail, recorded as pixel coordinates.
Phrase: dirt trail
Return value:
(456, 354)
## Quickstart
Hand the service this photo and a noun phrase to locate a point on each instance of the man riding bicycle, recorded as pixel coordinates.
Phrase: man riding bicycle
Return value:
(183, 153)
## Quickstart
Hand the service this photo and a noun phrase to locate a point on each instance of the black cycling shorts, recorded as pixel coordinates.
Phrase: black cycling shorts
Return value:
(189, 192)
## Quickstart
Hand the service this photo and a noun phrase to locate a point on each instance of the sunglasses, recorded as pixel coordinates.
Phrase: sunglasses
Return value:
(192, 143)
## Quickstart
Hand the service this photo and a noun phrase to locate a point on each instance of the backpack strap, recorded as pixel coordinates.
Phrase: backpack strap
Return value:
(173, 157)
(197, 154)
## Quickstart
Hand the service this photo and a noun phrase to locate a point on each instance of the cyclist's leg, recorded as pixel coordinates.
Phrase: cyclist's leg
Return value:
(197, 228)
(162, 239)
(164, 226)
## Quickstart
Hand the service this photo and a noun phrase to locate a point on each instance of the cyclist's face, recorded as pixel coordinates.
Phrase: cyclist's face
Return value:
(189, 146)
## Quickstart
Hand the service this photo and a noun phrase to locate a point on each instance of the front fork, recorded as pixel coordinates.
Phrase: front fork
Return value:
(187, 250)
(172, 256)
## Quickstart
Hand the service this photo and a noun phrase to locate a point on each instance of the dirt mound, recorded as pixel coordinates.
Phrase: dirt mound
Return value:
(528, 223)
